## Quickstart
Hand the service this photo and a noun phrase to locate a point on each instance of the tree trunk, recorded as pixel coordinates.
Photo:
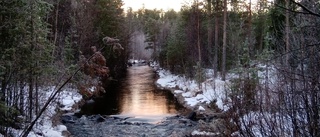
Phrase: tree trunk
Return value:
(55, 28)
(287, 33)
(250, 43)
(31, 67)
(224, 39)
(216, 40)
(210, 27)
(21, 94)
(30, 97)
(198, 43)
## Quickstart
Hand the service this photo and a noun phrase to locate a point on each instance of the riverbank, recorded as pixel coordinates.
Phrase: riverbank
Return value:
(206, 101)
(210, 96)
(49, 124)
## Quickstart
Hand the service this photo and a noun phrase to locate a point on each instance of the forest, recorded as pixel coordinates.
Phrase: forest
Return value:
(87, 43)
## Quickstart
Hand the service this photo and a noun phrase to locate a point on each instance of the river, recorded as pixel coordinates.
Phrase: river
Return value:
(136, 96)
(133, 107)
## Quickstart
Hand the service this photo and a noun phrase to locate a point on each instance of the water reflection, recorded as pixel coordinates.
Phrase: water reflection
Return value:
(140, 97)
(137, 97)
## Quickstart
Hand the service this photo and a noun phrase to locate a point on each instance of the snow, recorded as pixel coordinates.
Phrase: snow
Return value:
(203, 133)
(264, 124)
(178, 91)
(216, 90)
(201, 108)
(67, 98)
(212, 89)
(191, 101)
(187, 94)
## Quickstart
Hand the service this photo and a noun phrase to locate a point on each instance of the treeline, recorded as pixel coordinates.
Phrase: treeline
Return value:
(41, 42)
(195, 36)
(270, 48)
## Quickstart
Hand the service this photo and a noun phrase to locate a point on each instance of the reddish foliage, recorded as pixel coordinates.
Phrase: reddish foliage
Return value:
(85, 92)
(95, 68)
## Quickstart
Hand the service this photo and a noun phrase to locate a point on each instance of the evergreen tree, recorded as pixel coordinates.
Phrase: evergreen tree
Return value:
(25, 54)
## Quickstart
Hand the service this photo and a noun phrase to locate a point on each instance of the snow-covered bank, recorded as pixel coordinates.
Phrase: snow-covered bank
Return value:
(198, 99)
(216, 91)
(44, 126)
(211, 89)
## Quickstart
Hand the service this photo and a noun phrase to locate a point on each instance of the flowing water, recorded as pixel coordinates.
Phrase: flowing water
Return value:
(137, 98)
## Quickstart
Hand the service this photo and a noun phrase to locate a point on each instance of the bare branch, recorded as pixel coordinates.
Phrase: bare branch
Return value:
(299, 12)
(291, 51)
(308, 11)
(305, 8)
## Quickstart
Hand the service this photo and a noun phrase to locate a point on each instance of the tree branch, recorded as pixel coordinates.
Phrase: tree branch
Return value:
(309, 12)
(299, 12)
(291, 51)
(305, 8)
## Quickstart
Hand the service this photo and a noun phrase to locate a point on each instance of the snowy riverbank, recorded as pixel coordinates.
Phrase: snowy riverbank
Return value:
(198, 100)
(215, 91)
(195, 97)
(45, 126)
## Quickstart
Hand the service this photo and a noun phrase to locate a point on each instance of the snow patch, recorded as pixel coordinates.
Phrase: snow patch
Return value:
(67, 98)
(204, 133)
(178, 91)
(201, 108)
(212, 89)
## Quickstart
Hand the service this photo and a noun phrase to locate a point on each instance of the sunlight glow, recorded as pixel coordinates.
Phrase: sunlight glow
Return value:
(153, 4)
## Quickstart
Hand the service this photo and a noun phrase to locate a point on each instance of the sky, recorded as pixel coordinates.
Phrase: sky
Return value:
(152, 4)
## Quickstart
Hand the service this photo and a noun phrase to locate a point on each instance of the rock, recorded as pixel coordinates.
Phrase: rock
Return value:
(66, 134)
(39, 134)
(111, 127)
(100, 118)
(67, 119)
(91, 101)
(192, 116)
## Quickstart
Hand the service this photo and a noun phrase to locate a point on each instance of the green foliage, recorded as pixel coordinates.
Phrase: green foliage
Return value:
(151, 20)
(8, 115)
(276, 21)
(200, 75)
(25, 52)
(109, 18)
(110, 22)
(243, 87)
(242, 93)
(175, 50)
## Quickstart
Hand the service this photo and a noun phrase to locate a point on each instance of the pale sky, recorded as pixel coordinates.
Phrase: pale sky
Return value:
(152, 4)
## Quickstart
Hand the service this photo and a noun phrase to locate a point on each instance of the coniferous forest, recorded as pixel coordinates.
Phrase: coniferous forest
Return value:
(87, 43)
